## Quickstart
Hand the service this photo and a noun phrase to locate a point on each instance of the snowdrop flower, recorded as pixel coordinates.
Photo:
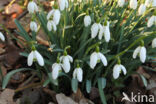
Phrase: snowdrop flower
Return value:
(87, 20)
(151, 21)
(133, 4)
(55, 15)
(2, 36)
(66, 60)
(33, 26)
(37, 56)
(154, 43)
(78, 73)
(121, 3)
(95, 29)
(154, 3)
(141, 51)
(56, 68)
(32, 7)
(148, 2)
(51, 26)
(104, 30)
(95, 56)
(63, 4)
(142, 9)
(117, 70)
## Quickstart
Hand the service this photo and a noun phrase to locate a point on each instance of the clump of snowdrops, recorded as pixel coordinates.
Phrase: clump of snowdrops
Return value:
(91, 42)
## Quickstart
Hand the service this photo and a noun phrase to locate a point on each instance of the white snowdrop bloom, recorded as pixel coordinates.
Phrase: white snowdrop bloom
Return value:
(37, 56)
(154, 43)
(56, 67)
(148, 2)
(133, 4)
(117, 70)
(33, 26)
(51, 26)
(63, 4)
(121, 3)
(87, 20)
(55, 15)
(95, 56)
(78, 73)
(66, 60)
(104, 30)
(142, 9)
(151, 21)
(95, 29)
(141, 51)
(2, 36)
(32, 7)
(154, 3)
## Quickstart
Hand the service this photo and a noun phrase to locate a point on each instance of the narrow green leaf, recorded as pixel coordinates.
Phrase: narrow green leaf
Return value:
(74, 85)
(144, 80)
(46, 82)
(88, 86)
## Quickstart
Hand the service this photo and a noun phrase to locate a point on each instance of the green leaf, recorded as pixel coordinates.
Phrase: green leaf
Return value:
(103, 82)
(102, 95)
(8, 76)
(88, 86)
(74, 85)
(46, 82)
(144, 80)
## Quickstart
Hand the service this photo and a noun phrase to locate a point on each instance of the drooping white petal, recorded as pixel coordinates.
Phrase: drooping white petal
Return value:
(121, 3)
(154, 43)
(93, 60)
(116, 71)
(103, 58)
(154, 3)
(56, 16)
(101, 33)
(87, 20)
(94, 30)
(70, 58)
(66, 64)
(151, 21)
(133, 4)
(51, 26)
(66, 3)
(79, 74)
(33, 26)
(39, 58)
(2, 36)
(30, 58)
(50, 14)
(142, 54)
(55, 70)
(62, 4)
(142, 9)
(32, 7)
(107, 33)
(123, 69)
(136, 52)
(148, 2)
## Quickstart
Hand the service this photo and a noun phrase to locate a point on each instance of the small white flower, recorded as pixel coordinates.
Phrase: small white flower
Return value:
(104, 30)
(37, 56)
(51, 26)
(56, 67)
(78, 73)
(66, 60)
(87, 20)
(154, 3)
(133, 4)
(55, 15)
(117, 70)
(95, 29)
(63, 4)
(154, 43)
(121, 3)
(151, 21)
(141, 51)
(142, 9)
(33, 26)
(32, 7)
(148, 2)
(2, 36)
(95, 56)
